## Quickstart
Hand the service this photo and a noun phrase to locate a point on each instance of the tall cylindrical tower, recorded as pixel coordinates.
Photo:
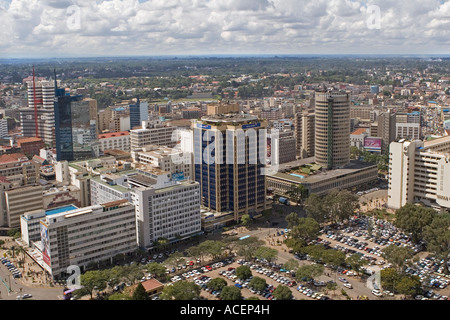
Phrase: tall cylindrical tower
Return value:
(332, 124)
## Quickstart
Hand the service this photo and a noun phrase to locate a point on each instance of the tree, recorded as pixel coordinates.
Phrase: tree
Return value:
(292, 219)
(356, 262)
(315, 208)
(248, 246)
(333, 257)
(217, 284)
(266, 253)
(409, 285)
(309, 272)
(298, 193)
(231, 293)
(140, 293)
(291, 264)
(282, 293)
(437, 236)
(156, 269)
(243, 272)
(245, 220)
(341, 204)
(307, 229)
(398, 256)
(390, 278)
(413, 219)
(93, 280)
(257, 283)
(316, 251)
(181, 290)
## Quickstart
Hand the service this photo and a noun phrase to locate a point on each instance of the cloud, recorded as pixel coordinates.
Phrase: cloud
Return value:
(154, 27)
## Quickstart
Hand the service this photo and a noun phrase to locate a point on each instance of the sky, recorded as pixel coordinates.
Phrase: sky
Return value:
(91, 28)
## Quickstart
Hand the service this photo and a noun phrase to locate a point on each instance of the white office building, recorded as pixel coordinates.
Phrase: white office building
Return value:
(80, 236)
(165, 208)
(419, 172)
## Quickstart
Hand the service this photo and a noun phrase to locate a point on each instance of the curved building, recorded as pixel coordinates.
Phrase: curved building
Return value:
(332, 124)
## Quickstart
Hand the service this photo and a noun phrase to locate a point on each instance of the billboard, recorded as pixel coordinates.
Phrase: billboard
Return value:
(372, 144)
(45, 243)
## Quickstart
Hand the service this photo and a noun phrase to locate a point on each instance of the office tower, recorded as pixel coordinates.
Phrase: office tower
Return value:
(419, 172)
(229, 157)
(75, 132)
(332, 123)
(386, 129)
(165, 207)
(304, 134)
(222, 108)
(138, 113)
(21, 200)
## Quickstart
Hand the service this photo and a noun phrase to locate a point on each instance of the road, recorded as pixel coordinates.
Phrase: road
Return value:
(17, 287)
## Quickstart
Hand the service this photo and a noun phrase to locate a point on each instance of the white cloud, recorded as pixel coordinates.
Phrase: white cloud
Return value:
(121, 27)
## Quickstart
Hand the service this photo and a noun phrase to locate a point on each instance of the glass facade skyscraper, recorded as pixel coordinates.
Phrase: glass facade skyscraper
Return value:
(230, 154)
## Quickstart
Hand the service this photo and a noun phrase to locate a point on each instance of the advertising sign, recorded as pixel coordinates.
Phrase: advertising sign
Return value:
(45, 243)
(372, 144)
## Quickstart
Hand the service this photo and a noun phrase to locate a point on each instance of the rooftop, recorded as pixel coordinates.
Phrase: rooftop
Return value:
(113, 134)
(60, 210)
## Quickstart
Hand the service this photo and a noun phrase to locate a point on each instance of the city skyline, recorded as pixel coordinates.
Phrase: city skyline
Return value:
(81, 28)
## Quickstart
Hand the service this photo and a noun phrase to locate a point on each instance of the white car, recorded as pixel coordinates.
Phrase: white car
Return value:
(348, 285)
(377, 293)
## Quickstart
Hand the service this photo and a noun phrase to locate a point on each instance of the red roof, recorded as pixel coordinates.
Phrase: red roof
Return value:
(14, 157)
(359, 131)
(113, 134)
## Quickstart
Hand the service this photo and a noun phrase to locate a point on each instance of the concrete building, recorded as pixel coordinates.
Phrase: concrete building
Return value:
(332, 123)
(3, 128)
(167, 159)
(419, 172)
(114, 141)
(30, 146)
(109, 187)
(18, 169)
(356, 175)
(305, 134)
(357, 138)
(222, 108)
(80, 236)
(165, 207)
(271, 114)
(46, 124)
(152, 132)
(21, 200)
(408, 131)
(386, 128)
(281, 146)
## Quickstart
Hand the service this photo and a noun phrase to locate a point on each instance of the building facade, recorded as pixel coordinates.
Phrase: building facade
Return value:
(332, 129)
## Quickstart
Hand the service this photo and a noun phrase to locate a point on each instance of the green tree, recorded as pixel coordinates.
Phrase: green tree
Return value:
(413, 219)
(316, 251)
(333, 257)
(231, 293)
(217, 284)
(282, 293)
(140, 293)
(243, 272)
(409, 285)
(298, 193)
(437, 236)
(266, 253)
(257, 283)
(245, 220)
(93, 280)
(390, 278)
(315, 208)
(247, 247)
(356, 262)
(291, 264)
(308, 272)
(292, 219)
(157, 270)
(307, 229)
(341, 204)
(181, 290)
(398, 256)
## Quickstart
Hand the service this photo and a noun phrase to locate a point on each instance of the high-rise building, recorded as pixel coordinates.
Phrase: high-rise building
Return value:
(386, 128)
(419, 172)
(229, 157)
(304, 134)
(332, 124)
(3, 128)
(138, 113)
